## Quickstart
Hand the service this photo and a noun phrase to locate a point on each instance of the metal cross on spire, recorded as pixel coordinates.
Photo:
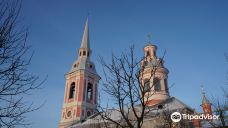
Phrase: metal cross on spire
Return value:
(202, 89)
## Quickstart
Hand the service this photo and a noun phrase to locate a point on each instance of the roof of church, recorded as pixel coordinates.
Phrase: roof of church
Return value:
(205, 100)
(171, 104)
(84, 63)
(85, 39)
(150, 44)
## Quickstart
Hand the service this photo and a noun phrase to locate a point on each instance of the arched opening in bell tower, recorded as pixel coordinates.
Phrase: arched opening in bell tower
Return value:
(157, 85)
(72, 90)
(146, 85)
(89, 91)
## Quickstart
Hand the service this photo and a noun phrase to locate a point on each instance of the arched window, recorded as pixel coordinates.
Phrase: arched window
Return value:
(89, 91)
(166, 85)
(84, 53)
(157, 85)
(88, 114)
(147, 53)
(145, 63)
(72, 90)
(146, 85)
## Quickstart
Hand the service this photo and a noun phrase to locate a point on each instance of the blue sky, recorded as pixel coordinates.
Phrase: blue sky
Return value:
(194, 34)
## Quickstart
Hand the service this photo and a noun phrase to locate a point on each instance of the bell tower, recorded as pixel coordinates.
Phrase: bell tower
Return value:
(81, 89)
(206, 105)
(155, 76)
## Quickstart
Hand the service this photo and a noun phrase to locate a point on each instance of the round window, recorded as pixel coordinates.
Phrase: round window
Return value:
(69, 114)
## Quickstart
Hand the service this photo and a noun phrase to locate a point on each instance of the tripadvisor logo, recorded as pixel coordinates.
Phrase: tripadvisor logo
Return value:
(176, 117)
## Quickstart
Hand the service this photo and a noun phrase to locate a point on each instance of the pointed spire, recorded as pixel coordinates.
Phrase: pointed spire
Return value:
(85, 38)
(204, 98)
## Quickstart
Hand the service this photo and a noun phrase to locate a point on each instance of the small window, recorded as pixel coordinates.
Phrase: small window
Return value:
(88, 114)
(84, 53)
(145, 63)
(89, 92)
(80, 53)
(88, 54)
(154, 62)
(166, 85)
(157, 86)
(91, 66)
(95, 93)
(69, 114)
(72, 90)
(146, 85)
(147, 53)
(154, 53)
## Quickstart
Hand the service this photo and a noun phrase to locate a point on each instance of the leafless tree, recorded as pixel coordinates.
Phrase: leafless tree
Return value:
(220, 107)
(15, 80)
(124, 83)
(166, 120)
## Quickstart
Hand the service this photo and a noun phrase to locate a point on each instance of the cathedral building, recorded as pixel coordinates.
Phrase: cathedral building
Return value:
(81, 92)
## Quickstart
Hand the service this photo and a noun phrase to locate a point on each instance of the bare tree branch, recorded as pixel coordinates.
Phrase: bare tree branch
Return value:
(124, 82)
(15, 79)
